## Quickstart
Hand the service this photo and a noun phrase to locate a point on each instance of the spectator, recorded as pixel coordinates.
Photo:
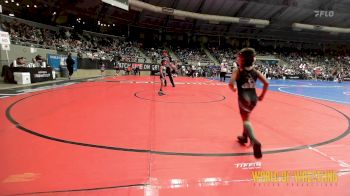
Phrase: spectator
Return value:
(223, 70)
(70, 62)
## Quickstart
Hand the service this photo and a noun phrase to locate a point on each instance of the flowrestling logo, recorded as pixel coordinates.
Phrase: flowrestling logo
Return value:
(324, 13)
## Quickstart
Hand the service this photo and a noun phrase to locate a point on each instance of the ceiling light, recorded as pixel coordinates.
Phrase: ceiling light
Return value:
(17, 4)
(35, 6)
(12, 1)
(54, 13)
(6, 1)
(28, 6)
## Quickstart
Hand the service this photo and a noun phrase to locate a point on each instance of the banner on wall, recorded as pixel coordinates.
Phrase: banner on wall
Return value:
(4, 38)
(142, 66)
(269, 62)
(86, 63)
(56, 61)
(296, 76)
(293, 77)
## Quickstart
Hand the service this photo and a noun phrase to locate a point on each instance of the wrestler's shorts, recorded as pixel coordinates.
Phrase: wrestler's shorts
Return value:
(247, 105)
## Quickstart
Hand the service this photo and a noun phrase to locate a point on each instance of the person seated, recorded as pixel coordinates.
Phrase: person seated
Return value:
(38, 60)
(20, 62)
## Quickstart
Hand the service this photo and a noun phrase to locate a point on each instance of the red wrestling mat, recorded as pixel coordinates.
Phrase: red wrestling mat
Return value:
(116, 136)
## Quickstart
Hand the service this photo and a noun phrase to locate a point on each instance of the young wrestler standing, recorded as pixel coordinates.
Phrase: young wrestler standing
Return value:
(245, 77)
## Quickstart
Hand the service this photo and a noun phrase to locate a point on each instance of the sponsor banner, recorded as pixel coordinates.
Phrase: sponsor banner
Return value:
(87, 63)
(4, 38)
(36, 74)
(294, 77)
(56, 61)
(142, 66)
(249, 165)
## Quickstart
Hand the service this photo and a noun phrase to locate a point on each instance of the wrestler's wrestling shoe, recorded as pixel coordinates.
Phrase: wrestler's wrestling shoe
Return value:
(257, 150)
(160, 93)
(242, 140)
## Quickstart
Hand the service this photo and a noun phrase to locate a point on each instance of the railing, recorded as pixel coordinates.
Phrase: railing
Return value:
(27, 22)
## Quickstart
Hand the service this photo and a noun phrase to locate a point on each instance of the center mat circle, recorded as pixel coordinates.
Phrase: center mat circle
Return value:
(186, 97)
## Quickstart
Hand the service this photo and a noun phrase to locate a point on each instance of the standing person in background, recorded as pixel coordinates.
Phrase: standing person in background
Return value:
(162, 71)
(245, 77)
(116, 65)
(338, 73)
(183, 70)
(193, 71)
(340, 76)
(70, 62)
(213, 72)
(128, 70)
(172, 70)
(166, 60)
(223, 70)
(102, 67)
(137, 71)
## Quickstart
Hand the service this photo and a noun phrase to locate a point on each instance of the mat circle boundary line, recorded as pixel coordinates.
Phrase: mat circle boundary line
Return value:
(19, 126)
(193, 102)
(79, 190)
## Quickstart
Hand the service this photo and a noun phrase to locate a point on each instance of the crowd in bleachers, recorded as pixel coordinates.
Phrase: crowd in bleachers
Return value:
(311, 64)
(94, 46)
(153, 53)
(317, 64)
(227, 54)
(192, 55)
(306, 68)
